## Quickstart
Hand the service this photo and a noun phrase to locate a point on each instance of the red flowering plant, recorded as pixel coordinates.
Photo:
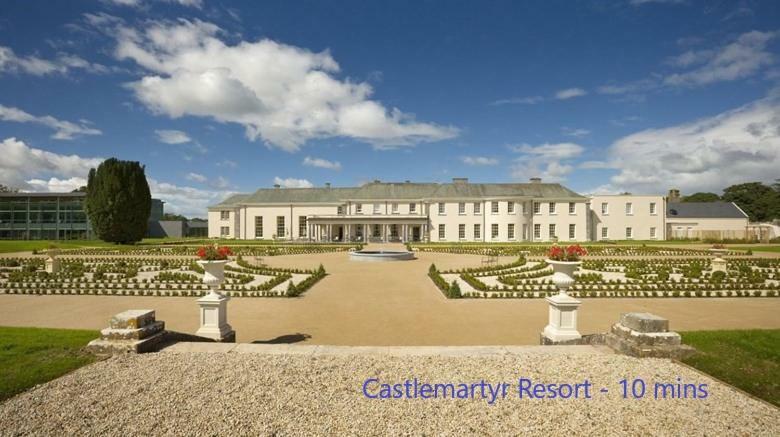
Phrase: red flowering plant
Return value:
(569, 253)
(718, 246)
(214, 253)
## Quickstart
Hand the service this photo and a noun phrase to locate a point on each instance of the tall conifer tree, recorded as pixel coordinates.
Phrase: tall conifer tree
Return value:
(118, 201)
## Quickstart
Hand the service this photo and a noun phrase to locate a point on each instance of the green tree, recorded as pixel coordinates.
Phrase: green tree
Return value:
(7, 189)
(169, 216)
(760, 202)
(118, 201)
(701, 197)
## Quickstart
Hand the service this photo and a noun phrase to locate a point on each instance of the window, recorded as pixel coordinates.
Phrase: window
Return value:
(441, 232)
(462, 231)
(224, 215)
(572, 208)
(395, 208)
(340, 210)
(524, 208)
(552, 230)
(629, 233)
(510, 207)
(552, 207)
(462, 208)
(537, 208)
(604, 232)
(652, 209)
(572, 231)
(477, 208)
(412, 208)
(376, 208)
(537, 231)
(652, 232)
(394, 231)
(510, 231)
(494, 207)
(259, 227)
(224, 231)
(441, 208)
(280, 226)
(494, 231)
(359, 208)
(477, 232)
(629, 208)
(302, 226)
(605, 208)
(525, 231)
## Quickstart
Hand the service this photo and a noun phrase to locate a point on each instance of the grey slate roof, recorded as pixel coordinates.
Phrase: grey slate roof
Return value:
(400, 191)
(703, 210)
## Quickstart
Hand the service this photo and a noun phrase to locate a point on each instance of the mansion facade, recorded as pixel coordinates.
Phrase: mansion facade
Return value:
(453, 212)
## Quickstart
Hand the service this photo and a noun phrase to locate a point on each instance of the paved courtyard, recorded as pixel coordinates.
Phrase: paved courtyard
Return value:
(393, 303)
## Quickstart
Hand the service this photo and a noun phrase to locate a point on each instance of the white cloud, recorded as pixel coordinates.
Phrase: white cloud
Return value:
(27, 168)
(63, 130)
(644, 2)
(532, 100)
(739, 59)
(11, 62)
(710, 154)
(196, 177)
(478, 160)
(321, 163)
(188, 201)
(551, 162)
(172, 136)
(576, 133)
(227, 163)
(282, 94)
(590, 165)
(292, 183)
(220, 182)
(570, 93)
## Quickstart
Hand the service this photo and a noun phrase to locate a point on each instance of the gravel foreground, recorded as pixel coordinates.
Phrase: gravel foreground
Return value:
(296, 394)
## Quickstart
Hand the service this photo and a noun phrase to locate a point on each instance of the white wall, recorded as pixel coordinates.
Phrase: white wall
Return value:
(616, 220)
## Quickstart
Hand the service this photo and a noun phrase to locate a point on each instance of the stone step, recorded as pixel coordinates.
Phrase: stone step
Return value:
(111, 347)
(646, 338)
(132, 319)
(132, 334)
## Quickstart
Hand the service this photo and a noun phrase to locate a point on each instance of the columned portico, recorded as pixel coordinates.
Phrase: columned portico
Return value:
(391, 228)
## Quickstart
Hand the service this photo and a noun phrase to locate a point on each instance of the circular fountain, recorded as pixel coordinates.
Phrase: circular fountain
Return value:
(381, 255)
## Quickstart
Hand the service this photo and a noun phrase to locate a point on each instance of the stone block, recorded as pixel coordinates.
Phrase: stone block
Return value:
(132, 319)
(132, 334)
(644, 322)
(646, 338)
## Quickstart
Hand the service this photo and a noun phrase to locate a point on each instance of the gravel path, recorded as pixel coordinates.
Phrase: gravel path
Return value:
(304, 394)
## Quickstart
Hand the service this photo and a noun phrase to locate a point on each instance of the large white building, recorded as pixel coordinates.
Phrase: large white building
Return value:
(454, 212)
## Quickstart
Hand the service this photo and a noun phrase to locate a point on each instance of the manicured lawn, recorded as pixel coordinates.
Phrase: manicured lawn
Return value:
(30, 356)
(747, 359)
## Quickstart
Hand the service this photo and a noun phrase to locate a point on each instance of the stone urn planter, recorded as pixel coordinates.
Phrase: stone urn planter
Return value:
(52, 263)
(718, 263)
(214, 274)
(563, 273)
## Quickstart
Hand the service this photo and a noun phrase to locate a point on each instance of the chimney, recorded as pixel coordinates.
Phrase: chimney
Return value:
(674, 195)
(277, 186)
(460, 180)
(536, 180)
(376, 181)
(327, 184)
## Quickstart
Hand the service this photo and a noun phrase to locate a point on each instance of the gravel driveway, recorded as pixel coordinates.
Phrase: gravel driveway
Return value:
(196, 393)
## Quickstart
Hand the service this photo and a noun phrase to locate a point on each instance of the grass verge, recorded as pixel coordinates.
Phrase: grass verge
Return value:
(748, 359)
(30, 356)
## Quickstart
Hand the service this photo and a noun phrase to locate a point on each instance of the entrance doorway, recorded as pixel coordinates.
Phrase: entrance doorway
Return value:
(415, 233)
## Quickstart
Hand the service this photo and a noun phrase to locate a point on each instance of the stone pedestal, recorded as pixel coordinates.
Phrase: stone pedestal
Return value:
(52, 265)
(213, 318)
(562, 325)
(719, 265)
(646, 335)
(132, 331)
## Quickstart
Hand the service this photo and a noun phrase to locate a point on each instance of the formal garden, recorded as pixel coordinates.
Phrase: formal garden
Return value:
(619, 271)
(148, 276)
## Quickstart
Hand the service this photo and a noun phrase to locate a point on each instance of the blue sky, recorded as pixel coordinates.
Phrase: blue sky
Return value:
(221, 97)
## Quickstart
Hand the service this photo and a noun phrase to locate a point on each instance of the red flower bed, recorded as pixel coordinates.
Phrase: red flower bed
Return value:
(214, 253)
(569, 253)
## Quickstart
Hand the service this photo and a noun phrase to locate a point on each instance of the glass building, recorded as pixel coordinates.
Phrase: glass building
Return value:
(48, 216)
